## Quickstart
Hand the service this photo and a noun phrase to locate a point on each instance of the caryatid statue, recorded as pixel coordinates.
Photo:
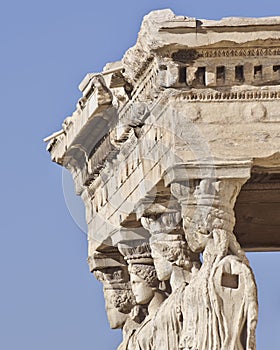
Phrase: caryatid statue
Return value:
(175, 263)
(171, 254)
(145, 288)
(111, 270)
(220, 303)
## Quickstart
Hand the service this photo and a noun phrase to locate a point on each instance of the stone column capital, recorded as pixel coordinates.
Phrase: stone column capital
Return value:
(159, 219)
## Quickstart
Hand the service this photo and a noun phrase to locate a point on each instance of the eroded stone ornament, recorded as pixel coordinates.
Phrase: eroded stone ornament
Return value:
(175, 153)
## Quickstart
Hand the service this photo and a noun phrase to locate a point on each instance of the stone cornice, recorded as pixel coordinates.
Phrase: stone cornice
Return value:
(242, 93)
(185, 54)
(160, 28)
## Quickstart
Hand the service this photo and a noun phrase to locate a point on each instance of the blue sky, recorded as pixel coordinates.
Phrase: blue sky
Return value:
(49, 300)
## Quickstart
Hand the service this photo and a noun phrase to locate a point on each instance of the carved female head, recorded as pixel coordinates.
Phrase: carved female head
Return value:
(144, 282)
(170, 251)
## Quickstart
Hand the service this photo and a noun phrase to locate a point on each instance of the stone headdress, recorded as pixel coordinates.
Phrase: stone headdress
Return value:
(140, 262)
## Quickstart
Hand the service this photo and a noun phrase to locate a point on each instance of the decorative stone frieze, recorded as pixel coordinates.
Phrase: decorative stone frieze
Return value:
(175, 153)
